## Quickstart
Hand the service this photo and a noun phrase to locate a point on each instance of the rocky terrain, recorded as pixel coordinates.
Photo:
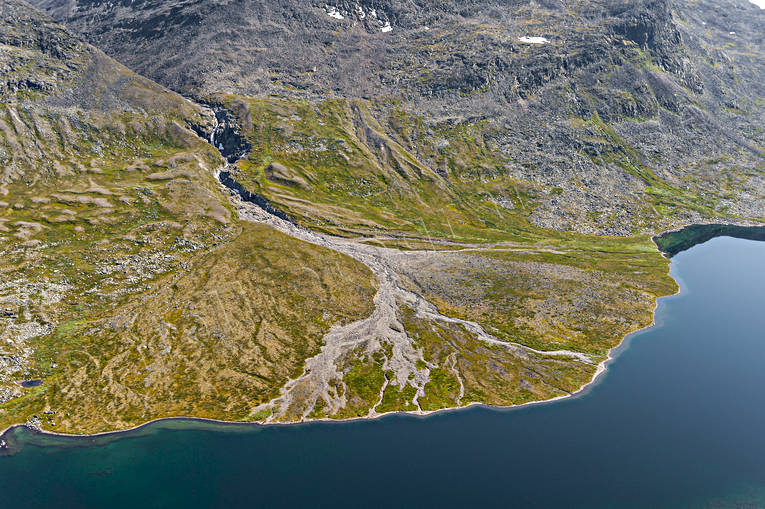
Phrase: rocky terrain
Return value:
(353, 208)
(617, 117)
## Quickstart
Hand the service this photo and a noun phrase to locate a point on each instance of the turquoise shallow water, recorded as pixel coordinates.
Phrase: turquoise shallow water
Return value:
(677, 421)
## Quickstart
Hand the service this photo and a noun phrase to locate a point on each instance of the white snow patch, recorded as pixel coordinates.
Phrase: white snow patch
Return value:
(386, 27)
(732, 33)
(759, 3)
(534, 40)
(332, 12)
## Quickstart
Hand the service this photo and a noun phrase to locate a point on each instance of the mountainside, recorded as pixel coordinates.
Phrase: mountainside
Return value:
(412, 205)
(597, 116)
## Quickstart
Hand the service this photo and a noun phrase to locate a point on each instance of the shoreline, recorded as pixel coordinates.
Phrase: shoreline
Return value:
(601, 369)
(745, 223)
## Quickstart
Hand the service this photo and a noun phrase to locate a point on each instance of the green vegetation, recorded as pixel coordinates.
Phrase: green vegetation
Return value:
(363, 381)
(489, 374)
(441, 391)
(342, 172)
(397, 398)
(583, 299)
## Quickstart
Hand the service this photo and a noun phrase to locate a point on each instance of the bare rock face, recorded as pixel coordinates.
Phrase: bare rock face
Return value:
(39, 53)
(360, 48)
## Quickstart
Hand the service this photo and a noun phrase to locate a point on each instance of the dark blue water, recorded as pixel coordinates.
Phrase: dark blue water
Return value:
(678, 421)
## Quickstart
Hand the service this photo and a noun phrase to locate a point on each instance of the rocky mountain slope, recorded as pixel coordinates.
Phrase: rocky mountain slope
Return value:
(421, 195)
(604, 117)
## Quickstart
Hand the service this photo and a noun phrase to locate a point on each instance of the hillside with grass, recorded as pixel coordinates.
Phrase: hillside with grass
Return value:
(284, 211)
(130, 290)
